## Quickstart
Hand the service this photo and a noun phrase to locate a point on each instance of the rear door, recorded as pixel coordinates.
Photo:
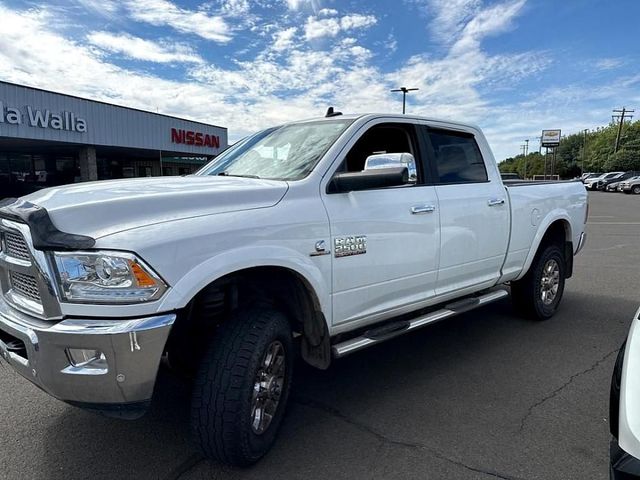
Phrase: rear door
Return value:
(474, 211)
(391, 233)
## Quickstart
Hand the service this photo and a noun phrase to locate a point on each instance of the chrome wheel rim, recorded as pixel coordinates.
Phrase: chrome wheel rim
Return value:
(550, 282)
(267, 387)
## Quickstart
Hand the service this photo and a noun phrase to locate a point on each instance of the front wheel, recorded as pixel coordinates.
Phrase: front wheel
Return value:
(539, 292)
(636, 190)
(242, 387)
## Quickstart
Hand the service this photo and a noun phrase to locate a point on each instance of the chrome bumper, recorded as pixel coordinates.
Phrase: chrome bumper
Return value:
(131, 350)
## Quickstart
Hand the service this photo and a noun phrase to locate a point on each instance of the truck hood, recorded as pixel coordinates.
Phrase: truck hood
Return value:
(97, 209)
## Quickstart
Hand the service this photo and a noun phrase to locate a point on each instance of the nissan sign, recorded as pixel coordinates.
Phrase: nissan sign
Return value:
(199, 139)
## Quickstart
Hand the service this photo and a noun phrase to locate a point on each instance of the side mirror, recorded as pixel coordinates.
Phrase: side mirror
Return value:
(393, 160)
(368, 179)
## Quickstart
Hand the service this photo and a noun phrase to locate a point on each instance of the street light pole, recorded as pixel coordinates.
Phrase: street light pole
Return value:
(404, 91)
(526, 152)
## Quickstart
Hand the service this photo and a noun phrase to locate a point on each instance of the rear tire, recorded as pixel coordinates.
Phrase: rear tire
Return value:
(242, 387)
(538, 294)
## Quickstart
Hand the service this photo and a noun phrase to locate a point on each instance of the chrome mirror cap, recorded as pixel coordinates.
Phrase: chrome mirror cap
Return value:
(393, 160)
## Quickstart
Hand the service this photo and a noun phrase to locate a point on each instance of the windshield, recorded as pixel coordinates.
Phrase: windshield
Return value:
(289, 152)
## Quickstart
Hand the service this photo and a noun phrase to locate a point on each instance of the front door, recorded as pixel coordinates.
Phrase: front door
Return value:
(384, 241)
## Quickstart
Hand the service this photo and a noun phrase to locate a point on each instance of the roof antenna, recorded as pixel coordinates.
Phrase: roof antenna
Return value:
(331, 113)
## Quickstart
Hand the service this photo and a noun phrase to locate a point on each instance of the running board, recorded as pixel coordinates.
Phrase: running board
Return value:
(395, 329)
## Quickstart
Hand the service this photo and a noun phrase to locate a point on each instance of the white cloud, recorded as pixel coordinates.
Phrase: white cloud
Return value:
(489, 21)
(330, 27)
(290, 79)
(283, 40)
(141, 49)
(327, 12)
(297, 4)
(235, 8)
(165, 13)
(107, 8)
(448, 17)
(609, 63)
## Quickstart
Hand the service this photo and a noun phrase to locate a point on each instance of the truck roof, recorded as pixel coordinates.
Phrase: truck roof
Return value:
(371, 116)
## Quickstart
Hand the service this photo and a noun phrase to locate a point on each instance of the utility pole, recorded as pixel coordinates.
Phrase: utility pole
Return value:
(539, 144)
(621, 115)
(584, 150)
(404, 91)
(526, 152)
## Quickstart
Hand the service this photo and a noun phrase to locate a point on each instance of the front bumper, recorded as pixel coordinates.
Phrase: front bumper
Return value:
(623, 465)
(629, 406)
(132, 349)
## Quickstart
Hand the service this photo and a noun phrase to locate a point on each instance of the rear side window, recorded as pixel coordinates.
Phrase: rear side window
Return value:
(457, 157)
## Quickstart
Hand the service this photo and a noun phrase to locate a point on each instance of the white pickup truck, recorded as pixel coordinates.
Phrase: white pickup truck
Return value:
(332, 234)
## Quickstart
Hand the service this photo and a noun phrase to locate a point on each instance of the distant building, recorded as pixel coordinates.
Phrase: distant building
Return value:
(48, 139)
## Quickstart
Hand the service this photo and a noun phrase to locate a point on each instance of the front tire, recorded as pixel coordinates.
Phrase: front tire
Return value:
(636, 190)
(539, 292)
(242, 387)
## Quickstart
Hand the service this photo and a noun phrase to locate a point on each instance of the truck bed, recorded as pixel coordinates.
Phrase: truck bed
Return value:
(533, 209)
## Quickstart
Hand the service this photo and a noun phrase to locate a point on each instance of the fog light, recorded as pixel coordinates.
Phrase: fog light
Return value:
(87, 359)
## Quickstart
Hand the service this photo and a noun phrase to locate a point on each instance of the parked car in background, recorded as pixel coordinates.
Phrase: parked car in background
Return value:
(631, 186)
(603, 184)
(588, 176)
(624, 408)
(592, 183)
(617, 185)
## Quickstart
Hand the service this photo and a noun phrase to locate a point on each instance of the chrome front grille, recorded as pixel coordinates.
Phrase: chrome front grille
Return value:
(25, 285)
(15, 245)
(25, 274)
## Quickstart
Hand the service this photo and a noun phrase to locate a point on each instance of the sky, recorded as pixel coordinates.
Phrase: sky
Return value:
(513, 67)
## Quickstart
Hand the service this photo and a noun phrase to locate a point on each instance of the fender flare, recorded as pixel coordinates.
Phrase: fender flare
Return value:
(552, 217)
(230, 261)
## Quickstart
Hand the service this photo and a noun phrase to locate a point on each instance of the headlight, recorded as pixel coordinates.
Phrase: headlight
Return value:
(106, 277)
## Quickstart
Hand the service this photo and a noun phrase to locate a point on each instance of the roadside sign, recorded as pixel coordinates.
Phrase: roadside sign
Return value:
(550, 138)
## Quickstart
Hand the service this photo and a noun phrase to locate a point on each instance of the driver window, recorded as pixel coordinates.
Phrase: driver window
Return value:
(378, 139)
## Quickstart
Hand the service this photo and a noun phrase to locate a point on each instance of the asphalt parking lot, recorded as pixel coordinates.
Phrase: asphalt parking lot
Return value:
(485, 395)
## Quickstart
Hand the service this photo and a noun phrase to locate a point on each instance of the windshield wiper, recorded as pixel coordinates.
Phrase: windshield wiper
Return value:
(225, 174)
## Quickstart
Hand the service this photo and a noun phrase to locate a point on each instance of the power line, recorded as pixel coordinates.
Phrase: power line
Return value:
(404, 91)
(622, 114)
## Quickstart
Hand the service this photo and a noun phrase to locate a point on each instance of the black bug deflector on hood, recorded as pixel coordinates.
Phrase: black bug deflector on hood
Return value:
(44, 234)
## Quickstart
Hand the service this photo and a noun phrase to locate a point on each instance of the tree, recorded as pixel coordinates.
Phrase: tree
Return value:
(593, 152)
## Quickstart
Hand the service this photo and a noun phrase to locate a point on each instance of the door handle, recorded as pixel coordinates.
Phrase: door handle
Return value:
(421, 209)
(495, 201)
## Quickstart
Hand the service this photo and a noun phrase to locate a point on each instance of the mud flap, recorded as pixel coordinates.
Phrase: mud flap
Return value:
(316, 345)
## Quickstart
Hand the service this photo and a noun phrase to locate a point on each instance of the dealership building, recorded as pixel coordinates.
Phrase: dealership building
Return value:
(49, 139)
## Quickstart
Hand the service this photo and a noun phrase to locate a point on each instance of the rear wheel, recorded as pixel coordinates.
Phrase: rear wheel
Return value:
(539, 292)
(242, 387)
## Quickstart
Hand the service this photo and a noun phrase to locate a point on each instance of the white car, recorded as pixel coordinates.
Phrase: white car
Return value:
(624, 408)
(592, 183)
(338, 233)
